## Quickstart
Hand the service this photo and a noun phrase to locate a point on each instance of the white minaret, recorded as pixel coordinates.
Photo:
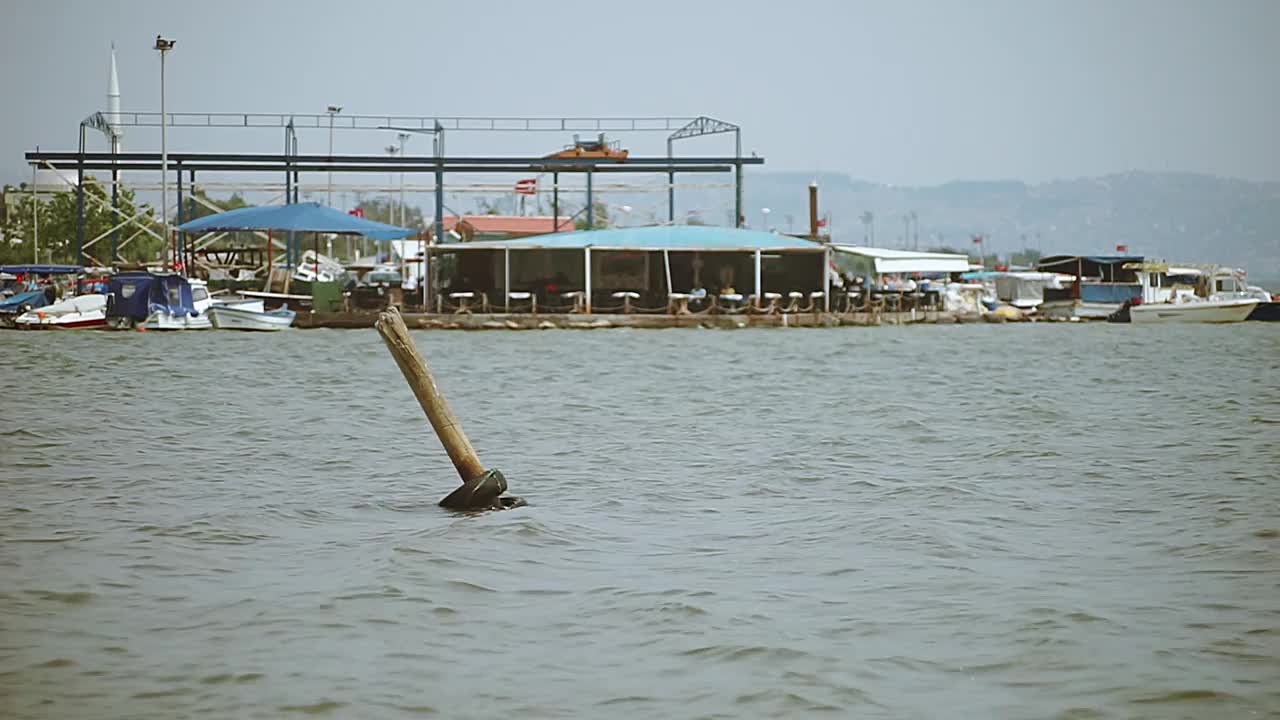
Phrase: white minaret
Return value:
(113, 104)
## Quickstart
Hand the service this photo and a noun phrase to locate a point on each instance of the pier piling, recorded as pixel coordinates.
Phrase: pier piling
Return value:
(480, 488)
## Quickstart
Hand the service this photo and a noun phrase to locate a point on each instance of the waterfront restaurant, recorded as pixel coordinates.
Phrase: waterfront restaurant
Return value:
(679, 268)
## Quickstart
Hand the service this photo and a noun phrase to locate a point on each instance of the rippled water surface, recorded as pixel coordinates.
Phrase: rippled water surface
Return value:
(976, 521)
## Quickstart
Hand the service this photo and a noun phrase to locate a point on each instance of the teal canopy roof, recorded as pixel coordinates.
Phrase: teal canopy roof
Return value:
(670, 237)
(299, 217)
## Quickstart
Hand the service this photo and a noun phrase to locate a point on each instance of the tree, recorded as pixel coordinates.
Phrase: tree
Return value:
(599, 219)
(58, 227)
(192, 209)
(1027, 258)
(386, 210)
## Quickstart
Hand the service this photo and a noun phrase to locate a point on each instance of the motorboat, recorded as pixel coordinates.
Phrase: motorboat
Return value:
(248, 314)
(1188, 294)
(80, 311)
(16, 305)
(1096, 286)
(1200, 310)
(158, 301)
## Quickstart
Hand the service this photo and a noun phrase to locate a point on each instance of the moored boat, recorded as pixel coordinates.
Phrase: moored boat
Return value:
(1189, 294)
(11, 308)
(1200, 310)
(249, 314)
(1099, 285)
(81, 311)
(157, 301)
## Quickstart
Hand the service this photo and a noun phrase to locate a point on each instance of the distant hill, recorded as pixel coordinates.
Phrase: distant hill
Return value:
(1176, 216)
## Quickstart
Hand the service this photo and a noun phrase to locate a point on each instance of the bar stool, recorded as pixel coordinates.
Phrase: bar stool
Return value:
(627, 296)
(533, 299)
(462, 299)
(579, 300)
(678, 303)
(772, 306)
(814, 297)
(795, 297)
(734, 298)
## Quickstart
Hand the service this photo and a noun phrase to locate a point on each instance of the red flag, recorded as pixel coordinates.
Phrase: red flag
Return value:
(977, 239)
(358, 212)
(1122, 248)
(822, 222)
(527, 186)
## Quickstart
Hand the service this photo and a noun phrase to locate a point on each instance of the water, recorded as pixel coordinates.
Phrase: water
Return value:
(1040, 521)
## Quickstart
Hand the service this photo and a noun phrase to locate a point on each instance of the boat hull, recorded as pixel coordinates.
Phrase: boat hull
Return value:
(1266, 312)
(1207, 311)
(80, 323)
(234, 318)
(76, 313)
(161, 320)
(1076, 310)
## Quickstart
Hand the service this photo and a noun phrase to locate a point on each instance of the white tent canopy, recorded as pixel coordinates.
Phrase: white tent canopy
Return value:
(907, 261)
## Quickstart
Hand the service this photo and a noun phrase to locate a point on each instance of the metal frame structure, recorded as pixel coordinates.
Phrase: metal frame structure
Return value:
(291, 163)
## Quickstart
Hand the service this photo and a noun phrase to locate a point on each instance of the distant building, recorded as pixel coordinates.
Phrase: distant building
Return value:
(472, 228)
(48, 182)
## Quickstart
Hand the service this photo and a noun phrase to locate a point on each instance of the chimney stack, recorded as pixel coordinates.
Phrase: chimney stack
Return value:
(813, 210)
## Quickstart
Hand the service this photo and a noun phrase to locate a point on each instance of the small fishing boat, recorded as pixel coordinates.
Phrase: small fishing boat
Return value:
(157, 301)
(249, 314)
(81, 311)
(1189, 294)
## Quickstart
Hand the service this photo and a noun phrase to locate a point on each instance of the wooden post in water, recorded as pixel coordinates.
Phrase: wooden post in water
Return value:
(480, 488)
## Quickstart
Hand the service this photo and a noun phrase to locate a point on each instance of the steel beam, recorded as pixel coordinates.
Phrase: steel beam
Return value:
(408, 122)
(564, 164)
(470, 169)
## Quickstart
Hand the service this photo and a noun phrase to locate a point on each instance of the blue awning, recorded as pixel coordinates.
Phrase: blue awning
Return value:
(43, 269)
(298, 217)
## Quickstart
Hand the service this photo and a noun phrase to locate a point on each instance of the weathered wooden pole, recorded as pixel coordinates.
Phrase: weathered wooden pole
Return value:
(480, 488)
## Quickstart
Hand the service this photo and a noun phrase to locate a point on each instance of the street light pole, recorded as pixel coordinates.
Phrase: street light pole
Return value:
(402, 137)
(164, 46)
(332, 110)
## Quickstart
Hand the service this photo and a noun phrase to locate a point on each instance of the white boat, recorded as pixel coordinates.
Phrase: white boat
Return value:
(81, 311)
(248, 314)
(172, 317)
(156, 301)
(1172, 294)
(1193, 311)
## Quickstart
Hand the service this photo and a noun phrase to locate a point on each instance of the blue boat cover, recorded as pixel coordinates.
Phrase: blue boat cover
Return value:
(42, 269)
(32, 299)
(297, 217)
(1109, 293)
(136, 294)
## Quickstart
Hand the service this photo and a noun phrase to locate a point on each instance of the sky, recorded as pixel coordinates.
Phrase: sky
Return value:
(907, 93)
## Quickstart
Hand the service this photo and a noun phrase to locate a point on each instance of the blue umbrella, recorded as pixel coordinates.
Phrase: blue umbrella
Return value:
(298, 217)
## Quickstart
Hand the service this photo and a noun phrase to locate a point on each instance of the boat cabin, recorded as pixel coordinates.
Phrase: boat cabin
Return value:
(133, 296)
(1094, 278)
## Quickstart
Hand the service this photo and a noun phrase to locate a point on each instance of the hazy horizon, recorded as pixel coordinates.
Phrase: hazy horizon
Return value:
(907, 94)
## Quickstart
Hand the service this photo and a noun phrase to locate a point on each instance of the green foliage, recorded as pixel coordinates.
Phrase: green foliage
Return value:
(1028, 258)
(600, 217)
(57, 218)
(192, 209)
(386, 210)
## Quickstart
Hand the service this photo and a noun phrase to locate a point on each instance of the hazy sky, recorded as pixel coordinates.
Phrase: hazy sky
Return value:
(899, 92)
